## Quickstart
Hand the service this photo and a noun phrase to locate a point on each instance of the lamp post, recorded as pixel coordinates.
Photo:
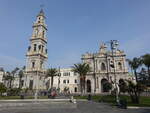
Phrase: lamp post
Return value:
(36, 91)
(59, 74)
(113, 46)
(94, 73)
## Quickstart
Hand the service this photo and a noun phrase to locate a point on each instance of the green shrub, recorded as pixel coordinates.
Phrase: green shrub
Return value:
(2, 88)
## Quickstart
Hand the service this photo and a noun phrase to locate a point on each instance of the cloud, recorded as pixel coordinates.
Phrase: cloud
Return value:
(9, 62)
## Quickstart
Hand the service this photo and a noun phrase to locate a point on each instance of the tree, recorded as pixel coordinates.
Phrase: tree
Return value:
(134, 90)
(14, 71)
(107, 86)
(2, 89)
(9, 79)
(21, 74)
(135, 63)
(144, 77)
(52, 72)
(13, 91)
(122, 86)
(82, 69)
(146, 62)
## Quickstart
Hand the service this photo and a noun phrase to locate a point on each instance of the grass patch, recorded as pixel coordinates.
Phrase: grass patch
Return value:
(144, 101)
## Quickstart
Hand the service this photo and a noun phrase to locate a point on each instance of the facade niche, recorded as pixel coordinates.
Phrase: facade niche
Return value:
(103, 67)
(120, 66)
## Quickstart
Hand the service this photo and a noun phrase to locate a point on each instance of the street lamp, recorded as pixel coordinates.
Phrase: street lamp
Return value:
(36, 90)
(113, 47)
(94, 72)
(59, 74)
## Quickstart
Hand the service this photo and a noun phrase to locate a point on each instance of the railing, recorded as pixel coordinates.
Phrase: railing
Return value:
(37, 52)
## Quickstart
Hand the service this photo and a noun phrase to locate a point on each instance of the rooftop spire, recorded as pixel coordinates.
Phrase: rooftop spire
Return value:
(41, 13)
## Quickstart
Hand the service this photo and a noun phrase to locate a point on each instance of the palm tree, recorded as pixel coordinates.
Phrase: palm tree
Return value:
(21, 74)
(146, 62)
(51, 73)
(135, 63)
(9, 79)
(14, 72)
(82, 69)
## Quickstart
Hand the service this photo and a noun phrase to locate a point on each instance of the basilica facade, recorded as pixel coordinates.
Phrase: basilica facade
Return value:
(105, 67)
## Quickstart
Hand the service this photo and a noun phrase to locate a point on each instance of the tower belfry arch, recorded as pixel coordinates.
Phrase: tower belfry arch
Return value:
(37, 54)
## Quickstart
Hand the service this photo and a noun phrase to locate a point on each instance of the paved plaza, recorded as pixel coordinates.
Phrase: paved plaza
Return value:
(64, 107)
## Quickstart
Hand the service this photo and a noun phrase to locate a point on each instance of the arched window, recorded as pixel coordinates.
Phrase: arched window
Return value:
(33, 64)
(45, 50)
(75, 81)
(41, 65)
(43, 34)
(34, 47)
(64, 81)
(88, 83)
(39, 47)
(42, 47)
(68, 81)
(103, 67)
(104, 85)
(75, 89)
(119, 65)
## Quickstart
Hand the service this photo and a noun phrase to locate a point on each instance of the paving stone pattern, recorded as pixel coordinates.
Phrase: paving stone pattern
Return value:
(65, 107)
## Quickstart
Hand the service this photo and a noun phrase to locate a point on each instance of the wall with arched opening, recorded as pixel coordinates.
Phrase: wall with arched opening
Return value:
(103, 66)
(103, 85)
(88, 86)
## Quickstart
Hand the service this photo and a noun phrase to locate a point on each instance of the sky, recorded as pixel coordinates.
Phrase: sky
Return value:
(74, 28)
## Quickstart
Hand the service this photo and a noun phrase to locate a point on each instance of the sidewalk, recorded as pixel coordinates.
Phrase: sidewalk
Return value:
(33, 100)
(135, 107)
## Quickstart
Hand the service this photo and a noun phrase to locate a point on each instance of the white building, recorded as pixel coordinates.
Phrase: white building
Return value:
(15, 82)
(67, 80)
(1, 76)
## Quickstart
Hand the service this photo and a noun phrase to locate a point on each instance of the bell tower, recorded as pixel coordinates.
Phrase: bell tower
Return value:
(37, 54)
